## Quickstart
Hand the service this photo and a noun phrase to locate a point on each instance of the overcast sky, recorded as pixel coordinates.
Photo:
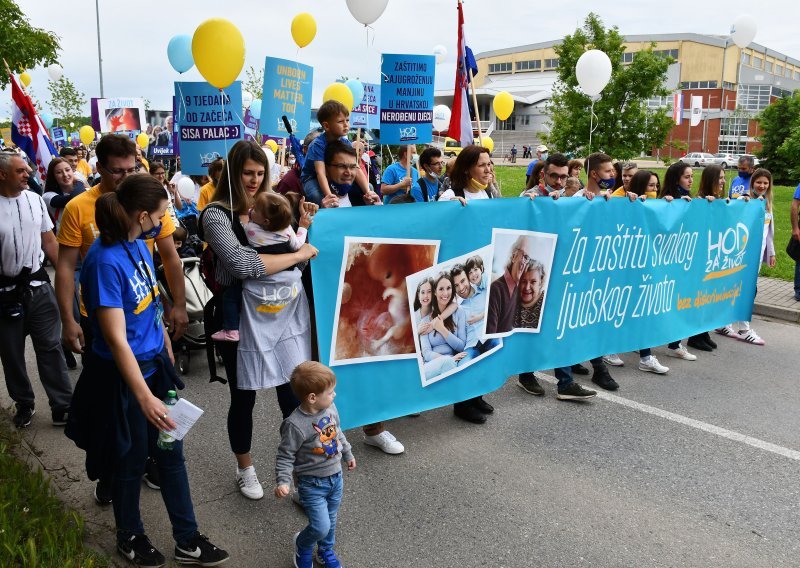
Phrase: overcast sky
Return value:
(135, 34)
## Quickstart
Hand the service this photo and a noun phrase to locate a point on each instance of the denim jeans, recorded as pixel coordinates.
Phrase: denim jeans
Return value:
(439, 365)
(320, 497)
(231, 306)
(480, 348)
(312, 190)
(797, 281)
(127, 481)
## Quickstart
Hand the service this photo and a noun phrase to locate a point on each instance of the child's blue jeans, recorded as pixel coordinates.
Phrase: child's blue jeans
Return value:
(231, 306)
(320, 497)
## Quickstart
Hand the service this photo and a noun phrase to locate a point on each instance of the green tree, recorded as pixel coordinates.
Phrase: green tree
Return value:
(780, 138)
(254, 83)
(66, 101)
(22, 45)
(625, 125)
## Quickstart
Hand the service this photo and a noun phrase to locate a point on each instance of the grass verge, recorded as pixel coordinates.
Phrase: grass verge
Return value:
(36, 528)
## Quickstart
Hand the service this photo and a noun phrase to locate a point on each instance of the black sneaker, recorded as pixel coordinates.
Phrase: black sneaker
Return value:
(60, 417)
(579, 369)
(150, 476)
(482, 405)
(141, 552)
(697, 342)
(603, 379)
(574, 391)
(199, 551)
(469, 413)
(22, 418)
(528, 383)
(707, 339)
(102, 491)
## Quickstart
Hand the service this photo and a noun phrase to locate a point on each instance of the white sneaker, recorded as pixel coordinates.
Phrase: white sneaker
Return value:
(248, 483)
(681, 353)
(386, 442)
(726, 330)
(650, 364)
(749, 336)
(613, 360)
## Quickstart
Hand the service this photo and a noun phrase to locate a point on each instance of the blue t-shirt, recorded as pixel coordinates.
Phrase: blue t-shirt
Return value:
(110, 279)
(797, 192)
(392, 176)
(424, 185)
(739, 186)
(530, 168)
(316, 153)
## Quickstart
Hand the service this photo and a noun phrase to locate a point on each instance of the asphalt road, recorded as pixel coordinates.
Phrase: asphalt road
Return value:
(696, 468)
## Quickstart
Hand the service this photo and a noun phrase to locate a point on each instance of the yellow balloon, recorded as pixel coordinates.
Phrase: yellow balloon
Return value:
(503, 104)
(272, 145)
(339, 92)
(87, 134)
(142, 140)
(304, 28)
(218, 51)
(488, 143)
(25, 78)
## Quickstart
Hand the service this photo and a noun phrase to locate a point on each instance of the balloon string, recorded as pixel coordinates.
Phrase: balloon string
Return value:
(227, 161)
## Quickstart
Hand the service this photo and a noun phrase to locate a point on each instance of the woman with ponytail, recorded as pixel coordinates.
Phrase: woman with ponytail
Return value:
(117, 409)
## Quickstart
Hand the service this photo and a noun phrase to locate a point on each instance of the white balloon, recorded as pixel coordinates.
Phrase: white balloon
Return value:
(441, 117)
(270, 159)
(593, 71)
(55, 72)
(743, 30)
(186, 188)
(440, 52)
(366, 11)
(247, 99)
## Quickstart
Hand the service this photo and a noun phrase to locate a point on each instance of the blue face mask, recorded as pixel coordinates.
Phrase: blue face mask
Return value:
(606, 184)
(744, 175)
(152, 233)
(341, 189)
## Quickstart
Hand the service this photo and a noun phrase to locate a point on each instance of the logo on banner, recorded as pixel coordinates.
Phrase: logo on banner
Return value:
(209, 157)
(726, 251)
(408, 133)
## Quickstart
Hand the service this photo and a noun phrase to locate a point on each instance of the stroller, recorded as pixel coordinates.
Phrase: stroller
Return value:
(197, 296)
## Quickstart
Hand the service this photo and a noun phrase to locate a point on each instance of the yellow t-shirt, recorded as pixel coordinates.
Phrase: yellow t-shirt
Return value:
(146, 164)
(206, 195)
(619, 192)
(85, 169)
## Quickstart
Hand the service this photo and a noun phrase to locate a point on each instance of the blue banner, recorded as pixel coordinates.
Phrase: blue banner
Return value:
(365, 115)
(209, 123)
(550, 283)
(287, 92)
(407, 98)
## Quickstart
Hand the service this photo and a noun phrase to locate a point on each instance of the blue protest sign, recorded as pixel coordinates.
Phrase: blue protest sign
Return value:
(407, 98)
(59, 136)
(365, 115)
(556, 283)
(287, 92)
(209, 123)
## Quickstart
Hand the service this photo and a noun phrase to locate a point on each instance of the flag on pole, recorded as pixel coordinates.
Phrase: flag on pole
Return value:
(460, 127)
(28, 131)
(697, 109)
(677, 108)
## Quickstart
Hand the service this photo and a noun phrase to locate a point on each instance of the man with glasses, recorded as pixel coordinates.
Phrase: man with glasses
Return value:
(116, 159)
(429, 183)
(341, 167)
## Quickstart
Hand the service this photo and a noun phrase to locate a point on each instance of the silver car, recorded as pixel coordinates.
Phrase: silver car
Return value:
(698, 159)
(726, 160)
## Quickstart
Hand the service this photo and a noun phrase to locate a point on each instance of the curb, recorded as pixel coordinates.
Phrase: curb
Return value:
(777, 312)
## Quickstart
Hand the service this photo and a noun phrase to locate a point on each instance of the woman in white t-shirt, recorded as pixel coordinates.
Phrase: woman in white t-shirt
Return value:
(472, 176)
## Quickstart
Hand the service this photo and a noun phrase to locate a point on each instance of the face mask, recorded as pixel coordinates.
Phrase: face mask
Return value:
(606, 184)
(548, 188)
(151, 234)
(544, 155)
(477, 185)
(341, 189)
(433, 174)
(744, 175)
(651, 194)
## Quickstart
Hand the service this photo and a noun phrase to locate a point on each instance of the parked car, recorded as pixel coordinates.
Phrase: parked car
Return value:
(756, 161)
(698, 159)
(452, 148)
(726, 160)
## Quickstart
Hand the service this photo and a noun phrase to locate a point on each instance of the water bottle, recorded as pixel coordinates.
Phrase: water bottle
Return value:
(165, 441)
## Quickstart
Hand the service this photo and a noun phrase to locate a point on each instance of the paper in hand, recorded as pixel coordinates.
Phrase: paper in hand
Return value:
(184, 414)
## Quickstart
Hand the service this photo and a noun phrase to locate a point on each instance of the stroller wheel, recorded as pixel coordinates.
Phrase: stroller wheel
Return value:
(183, 363)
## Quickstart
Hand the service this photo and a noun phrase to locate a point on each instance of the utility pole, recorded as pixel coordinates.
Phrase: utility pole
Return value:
(99, 51)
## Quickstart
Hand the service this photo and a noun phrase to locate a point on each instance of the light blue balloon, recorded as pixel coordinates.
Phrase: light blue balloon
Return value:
(357, 88)
(179, 53)
(47, 119)
(255, 109)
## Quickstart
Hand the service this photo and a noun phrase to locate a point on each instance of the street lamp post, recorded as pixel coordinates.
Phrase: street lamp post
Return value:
(99, 51)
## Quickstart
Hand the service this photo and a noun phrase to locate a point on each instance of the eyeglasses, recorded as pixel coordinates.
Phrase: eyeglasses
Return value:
(121, 172)
(525, 258)
(436, 164)
(554, 175)
(345, 167)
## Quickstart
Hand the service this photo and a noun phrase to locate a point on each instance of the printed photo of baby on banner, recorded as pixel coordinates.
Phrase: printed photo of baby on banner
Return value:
(373, 320)
(449, 303)
(523, 262)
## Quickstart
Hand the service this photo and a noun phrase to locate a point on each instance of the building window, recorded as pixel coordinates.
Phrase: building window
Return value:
(702, 85)
(673, 53)
(779, 70)
(753, 97)
(788, 73)
(659, 102)
(627, 57)
(533, 65)
(732, 147)
(797, 75)
(757, 62)
(551, 63)
(734, 126)
(746, 58)
(769, 66)
(500, 67)
(728, 86)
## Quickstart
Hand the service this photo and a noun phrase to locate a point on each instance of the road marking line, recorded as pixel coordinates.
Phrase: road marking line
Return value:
(697, 424)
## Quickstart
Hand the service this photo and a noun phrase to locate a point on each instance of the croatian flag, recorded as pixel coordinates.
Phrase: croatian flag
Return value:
(677, 108)
(460, 127)
(28, 131)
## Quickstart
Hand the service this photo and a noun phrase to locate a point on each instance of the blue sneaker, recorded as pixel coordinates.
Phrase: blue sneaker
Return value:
(303, 558)
(327, 558)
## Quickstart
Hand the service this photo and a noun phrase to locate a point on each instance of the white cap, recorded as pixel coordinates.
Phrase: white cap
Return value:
(541, 148)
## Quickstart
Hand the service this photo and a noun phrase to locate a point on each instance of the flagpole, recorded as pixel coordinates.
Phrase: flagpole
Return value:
(472, 90)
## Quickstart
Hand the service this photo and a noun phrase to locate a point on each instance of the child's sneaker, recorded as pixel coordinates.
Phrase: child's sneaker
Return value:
(303, 558)
(199, 551)
(749, 336)
(138, 549)
(226, 335)
(327, 558)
